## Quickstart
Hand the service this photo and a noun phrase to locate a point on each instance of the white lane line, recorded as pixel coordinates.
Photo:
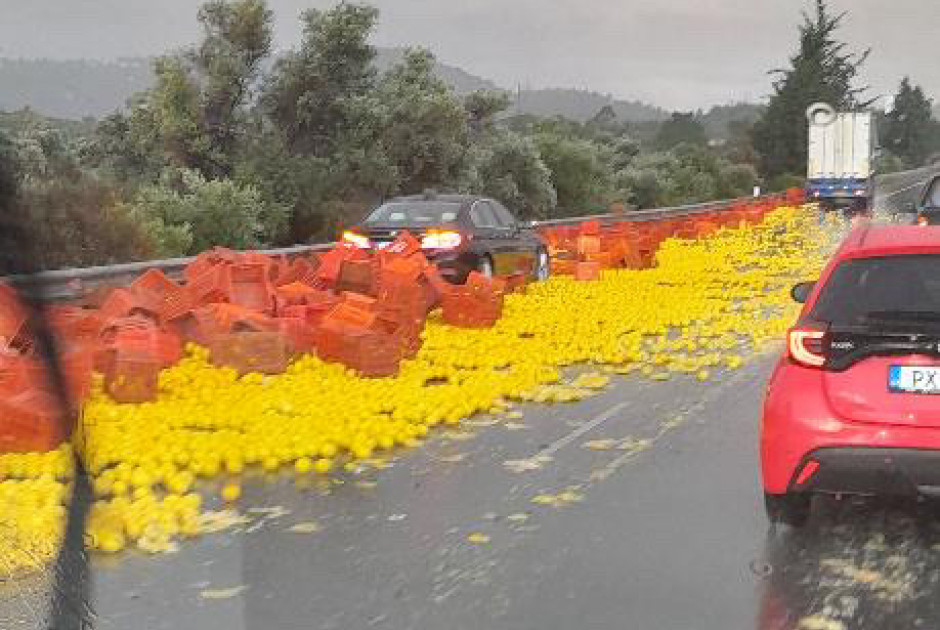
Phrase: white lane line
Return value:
(911, 187)
(713, 394)
(564, 441)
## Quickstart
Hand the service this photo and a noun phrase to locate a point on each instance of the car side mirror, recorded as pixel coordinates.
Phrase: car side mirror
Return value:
(800, 292)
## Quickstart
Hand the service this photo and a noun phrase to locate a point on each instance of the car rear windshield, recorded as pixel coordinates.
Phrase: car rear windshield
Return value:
(896, 290)
(414, 213)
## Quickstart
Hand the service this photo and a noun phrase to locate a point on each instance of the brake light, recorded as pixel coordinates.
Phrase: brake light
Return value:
(445, 239)
(354, 238)
(807, 347)
(922, 221)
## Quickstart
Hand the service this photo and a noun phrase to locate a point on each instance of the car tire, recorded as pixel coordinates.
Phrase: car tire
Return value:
(542, 269)
(485, 267)
(788, 509)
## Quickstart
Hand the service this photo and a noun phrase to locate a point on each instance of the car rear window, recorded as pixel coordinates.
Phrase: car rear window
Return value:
(932, 198)
(414, 213)
(902, 289)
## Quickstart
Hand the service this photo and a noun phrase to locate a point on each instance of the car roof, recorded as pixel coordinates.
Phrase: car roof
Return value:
(445, 198)
(878, 241)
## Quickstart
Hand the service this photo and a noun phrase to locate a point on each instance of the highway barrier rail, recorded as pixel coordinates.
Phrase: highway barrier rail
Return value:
(72, 284)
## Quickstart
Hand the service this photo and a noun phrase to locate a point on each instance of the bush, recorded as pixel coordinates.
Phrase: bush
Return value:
(210, 212)
(80, 221)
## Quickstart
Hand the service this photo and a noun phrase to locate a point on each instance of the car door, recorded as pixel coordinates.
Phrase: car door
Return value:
(490, 237)
(523, 251)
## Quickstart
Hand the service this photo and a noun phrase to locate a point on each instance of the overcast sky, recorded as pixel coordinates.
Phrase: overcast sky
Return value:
(674, 53)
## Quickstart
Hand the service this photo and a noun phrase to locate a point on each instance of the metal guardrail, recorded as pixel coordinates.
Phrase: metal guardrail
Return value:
(654, 214)
(71, 284)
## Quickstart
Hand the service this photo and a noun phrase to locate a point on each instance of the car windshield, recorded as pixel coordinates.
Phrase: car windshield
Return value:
(414, 213)
(879, 290)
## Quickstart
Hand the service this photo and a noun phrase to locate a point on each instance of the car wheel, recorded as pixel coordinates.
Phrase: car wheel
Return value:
(789, 509)
(486, 266)
(542, 266)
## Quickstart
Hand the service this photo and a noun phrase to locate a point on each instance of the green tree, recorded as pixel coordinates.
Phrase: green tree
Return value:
(681, 128)
(237, 38)
(196, 112)
(821, 70)
(909, 130)
(508, 167)
(483, 106)
(578, 173)
(421, 125)
(313, 94)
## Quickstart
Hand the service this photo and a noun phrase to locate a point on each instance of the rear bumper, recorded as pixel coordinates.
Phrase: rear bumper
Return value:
(842, 191)
(798, 426)
(869, 471)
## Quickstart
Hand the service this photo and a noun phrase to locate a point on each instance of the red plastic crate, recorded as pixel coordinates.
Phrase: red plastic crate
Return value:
(371, 352)
(264, 352)
(212, 286)
(590, 228)
(299, 332)
(466, 309)
(587, 271)
(124, 302)
(251, 286)
(132, 377)
(31, 422)
(177, 304)
(356, 276)
(138, 335)
(152, 288)
(206, 261)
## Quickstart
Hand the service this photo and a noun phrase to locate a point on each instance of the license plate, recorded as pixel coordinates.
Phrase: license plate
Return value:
(383, 245)
(911, 379)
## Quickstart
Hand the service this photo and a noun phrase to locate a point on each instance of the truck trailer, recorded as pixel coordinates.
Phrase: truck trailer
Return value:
(841, 150)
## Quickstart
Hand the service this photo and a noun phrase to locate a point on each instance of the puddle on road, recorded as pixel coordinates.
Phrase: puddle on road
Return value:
(858, 565)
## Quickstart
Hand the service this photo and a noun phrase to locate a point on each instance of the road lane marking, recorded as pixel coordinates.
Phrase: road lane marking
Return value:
(564, 441)
(903, 190)
(604, 472)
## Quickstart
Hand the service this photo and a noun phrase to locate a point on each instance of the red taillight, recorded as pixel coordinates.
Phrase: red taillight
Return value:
(807, 346)
(922, 221)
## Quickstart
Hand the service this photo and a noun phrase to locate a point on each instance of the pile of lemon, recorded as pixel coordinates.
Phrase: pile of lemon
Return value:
(707, 305)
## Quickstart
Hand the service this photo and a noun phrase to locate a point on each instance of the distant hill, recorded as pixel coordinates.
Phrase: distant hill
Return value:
(460, 80)
(581, 105)
(71, 89)
(80, 89)
(718, 118)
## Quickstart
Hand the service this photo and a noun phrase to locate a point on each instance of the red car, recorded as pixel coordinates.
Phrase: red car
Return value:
(853, 406)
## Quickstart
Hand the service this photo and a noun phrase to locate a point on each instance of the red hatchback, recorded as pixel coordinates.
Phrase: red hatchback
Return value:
(854, 404)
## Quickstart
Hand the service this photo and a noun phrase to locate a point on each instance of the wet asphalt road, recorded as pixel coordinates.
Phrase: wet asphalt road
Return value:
(667, 535)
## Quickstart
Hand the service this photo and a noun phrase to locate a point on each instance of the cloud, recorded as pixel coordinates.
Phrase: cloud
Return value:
(676, 53)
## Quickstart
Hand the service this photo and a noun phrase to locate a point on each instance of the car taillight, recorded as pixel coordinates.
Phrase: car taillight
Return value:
(807, 346)
(445, 239)
(354, 238)
(922, 220)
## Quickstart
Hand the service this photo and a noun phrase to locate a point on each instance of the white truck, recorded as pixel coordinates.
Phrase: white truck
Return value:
(841, 151)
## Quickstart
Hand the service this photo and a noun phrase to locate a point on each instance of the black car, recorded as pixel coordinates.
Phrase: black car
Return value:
(460, 233)
(928, 206)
